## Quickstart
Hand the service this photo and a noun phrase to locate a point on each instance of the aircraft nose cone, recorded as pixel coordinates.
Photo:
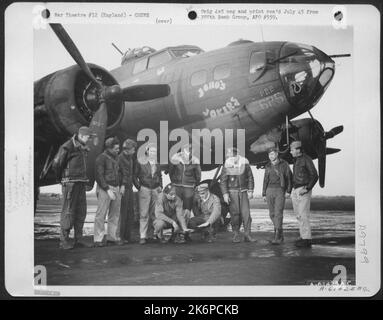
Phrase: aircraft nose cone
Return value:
(306, 73)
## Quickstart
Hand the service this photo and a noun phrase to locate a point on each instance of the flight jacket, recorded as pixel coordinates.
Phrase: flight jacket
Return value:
(304, 172)
(236, 175)
(184, 174)
(70, 161)
(168, 211)
(127, 165)
(283, 171)
(143, 175)
(210, 209)
(108, 171)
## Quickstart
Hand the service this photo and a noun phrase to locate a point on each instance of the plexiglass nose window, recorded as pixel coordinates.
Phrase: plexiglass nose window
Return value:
(301, 69)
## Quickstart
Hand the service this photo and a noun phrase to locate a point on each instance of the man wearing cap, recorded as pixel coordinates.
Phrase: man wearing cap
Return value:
(206, 210)
(126, 163)
(148, 180)
(169, 214)
(277, 184)
(237, 186)
(305, 177)
(108, 178)
(185, 174)
(70, 166)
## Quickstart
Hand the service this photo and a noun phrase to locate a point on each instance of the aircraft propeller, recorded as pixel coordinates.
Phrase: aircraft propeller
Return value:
(320, 138)
(105, 94)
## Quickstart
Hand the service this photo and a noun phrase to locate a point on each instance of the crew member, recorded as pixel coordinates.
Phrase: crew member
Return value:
(277, 185)
(169, 214)
(108, 178)
(126, 163)
(70, 167)
(237, 185)
(185, 174)
(305, 177)
(148, 180)
(207, 211)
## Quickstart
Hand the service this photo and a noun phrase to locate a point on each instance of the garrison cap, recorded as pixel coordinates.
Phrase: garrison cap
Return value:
(295, 144)
(169, 188)
(110, 142)
(202, 187)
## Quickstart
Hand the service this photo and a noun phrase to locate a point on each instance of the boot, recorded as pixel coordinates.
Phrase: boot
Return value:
(236, 237)
(180, 239)
(80, 244)
(278, 237)
(248, 238)
(65, 243)
(303, 243)
(274, 235)
(187, 237)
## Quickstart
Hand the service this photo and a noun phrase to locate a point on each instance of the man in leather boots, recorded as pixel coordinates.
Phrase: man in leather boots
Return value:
(70, 167)
(237, 186)
(277, 185)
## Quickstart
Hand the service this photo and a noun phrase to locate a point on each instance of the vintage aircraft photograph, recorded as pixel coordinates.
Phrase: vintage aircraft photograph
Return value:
(279, 85)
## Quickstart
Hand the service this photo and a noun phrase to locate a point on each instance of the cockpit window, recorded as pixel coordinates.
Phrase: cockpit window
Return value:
(186, 53)
(221, 72)
(198, 78)
(159, 59)
(140, 66)
(257, 65)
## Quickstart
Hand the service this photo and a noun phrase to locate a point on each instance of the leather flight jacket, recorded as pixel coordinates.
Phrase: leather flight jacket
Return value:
(304, 172)
(108, 171)
(282, 169)
(185, 174)
(233, 179)
(143, 175)
(127, 164)
(70, 161)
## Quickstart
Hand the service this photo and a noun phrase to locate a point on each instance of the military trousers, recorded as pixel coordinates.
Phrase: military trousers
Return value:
(275, 198)
(107, 206)
(73, 211)
(301, 205)
(239, 207)
(147, 199)
(127, 214)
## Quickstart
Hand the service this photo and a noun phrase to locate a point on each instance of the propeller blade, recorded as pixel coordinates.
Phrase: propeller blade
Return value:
(145, 92)
(69, 45)
(322, 170)
(332, 150)
(333, 132)
(320, 148)
(340, 55)
(96, 143)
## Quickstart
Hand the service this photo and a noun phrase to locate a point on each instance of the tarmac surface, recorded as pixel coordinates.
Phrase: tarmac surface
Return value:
(199, 263)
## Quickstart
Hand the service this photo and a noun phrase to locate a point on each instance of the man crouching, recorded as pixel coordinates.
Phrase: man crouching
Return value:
(206, 210)
(169, 214)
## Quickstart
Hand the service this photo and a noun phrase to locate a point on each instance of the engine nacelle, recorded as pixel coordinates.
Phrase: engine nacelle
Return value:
(66, 99)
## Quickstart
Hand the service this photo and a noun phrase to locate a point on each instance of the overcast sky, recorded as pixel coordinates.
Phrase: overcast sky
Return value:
(335, 108)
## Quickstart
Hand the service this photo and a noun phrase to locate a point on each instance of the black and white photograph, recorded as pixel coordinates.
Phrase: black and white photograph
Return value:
(191, 150)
